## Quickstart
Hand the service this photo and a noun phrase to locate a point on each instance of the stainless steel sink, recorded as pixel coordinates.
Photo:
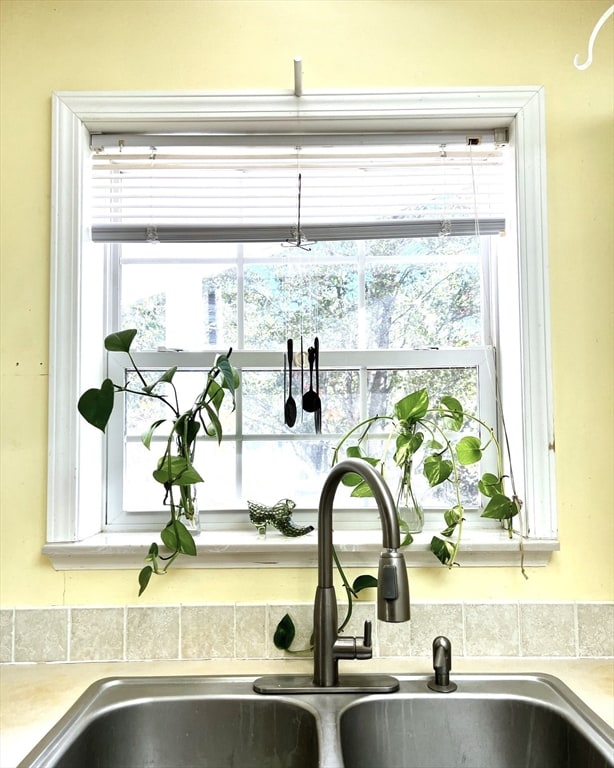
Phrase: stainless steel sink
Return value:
(505, 724)
(179, 723)
(490, 721)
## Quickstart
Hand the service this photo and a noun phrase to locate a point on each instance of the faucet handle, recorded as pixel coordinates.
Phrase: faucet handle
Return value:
(368, 635)
(355, 647)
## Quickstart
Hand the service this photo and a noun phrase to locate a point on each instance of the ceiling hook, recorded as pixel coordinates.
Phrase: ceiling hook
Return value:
(298, 76)
(591, 41)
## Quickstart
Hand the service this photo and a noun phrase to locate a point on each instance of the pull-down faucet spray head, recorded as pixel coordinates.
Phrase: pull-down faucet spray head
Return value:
(392, 587)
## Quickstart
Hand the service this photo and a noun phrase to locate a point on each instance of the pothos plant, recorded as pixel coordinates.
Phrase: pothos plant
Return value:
(415, 427)
(174, 470)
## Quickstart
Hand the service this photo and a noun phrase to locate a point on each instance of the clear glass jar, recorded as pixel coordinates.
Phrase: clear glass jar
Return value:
(188, 509)
(409, 508)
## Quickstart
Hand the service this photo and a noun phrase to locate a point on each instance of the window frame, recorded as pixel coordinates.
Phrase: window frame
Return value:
(75, 537)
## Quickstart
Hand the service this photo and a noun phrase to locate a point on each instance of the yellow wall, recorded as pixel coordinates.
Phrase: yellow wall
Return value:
(52, 45)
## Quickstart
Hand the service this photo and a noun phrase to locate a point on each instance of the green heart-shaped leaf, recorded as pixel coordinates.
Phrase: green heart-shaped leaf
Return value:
(180, 472)
(452, 411)
(144, 577)
(364, 582)
(362, 490)
(169, 537)
(490, 485)
(412, 407)
(436, 469)
(120, 341)
(187, 546)
(500, 507)
(454, 515)
(284, 634)
(146, 438)
(166, 378)
(230, 375)
(407, 443)
(469, 450)
(96, 405)
(177, 538)
(443, 550)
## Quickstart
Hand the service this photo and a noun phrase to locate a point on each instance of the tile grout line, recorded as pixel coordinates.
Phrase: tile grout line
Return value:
(69, 634)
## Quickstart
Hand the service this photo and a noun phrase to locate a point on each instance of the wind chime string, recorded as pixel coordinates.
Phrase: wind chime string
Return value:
(475, 194)
(446, 224)
(297, 239)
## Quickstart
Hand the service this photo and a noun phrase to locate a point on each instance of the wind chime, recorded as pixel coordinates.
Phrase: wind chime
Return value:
(310, 401)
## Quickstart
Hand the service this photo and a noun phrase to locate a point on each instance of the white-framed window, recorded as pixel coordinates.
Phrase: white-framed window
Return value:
(86, 509)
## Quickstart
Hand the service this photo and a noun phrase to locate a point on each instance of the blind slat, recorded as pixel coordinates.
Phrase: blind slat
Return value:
(209, 190)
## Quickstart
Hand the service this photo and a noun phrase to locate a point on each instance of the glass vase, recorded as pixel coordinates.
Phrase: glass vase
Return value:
(409, 508)
(189, 512)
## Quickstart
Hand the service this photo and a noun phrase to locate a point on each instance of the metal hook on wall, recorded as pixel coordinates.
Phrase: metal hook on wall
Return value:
(298, 76)
(591, 41)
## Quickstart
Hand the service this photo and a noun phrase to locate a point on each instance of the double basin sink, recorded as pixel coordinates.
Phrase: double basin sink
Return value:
(490, 721)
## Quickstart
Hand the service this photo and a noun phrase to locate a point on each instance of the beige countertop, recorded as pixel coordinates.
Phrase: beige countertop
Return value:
(34, 696)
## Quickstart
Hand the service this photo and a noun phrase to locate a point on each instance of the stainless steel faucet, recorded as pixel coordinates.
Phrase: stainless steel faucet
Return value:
(392, 589)
(392, 597)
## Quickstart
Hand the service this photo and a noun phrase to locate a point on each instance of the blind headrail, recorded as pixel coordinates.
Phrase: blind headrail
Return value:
(102, 141)
(166, 233)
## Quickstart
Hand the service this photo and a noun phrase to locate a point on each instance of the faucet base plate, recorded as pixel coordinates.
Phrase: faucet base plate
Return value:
(297, 684)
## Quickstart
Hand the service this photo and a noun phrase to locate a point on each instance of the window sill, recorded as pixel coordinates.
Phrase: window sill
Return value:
(247, 549)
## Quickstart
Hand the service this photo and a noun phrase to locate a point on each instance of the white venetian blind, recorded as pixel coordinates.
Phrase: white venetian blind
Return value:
(186, 188)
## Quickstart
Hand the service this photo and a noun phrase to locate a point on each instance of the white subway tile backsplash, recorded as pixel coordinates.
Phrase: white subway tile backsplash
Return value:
(152, 633)
(245, 631)
(97, 634)
(41, 634)
(595, 629)
(393, 640)
(7, 624)
(208, 632)
(250, 631)
(429, 620)
(548, 625)
(491, 629)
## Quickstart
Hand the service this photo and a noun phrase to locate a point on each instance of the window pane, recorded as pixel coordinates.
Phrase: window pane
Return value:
(216, 464)
(316, 291)
(141, 412)
(386, 387)
(291, 469)
(263, 402)
(423, 292)
(180, 296)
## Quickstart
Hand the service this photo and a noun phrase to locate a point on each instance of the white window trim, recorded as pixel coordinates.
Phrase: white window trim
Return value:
(74, 539)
